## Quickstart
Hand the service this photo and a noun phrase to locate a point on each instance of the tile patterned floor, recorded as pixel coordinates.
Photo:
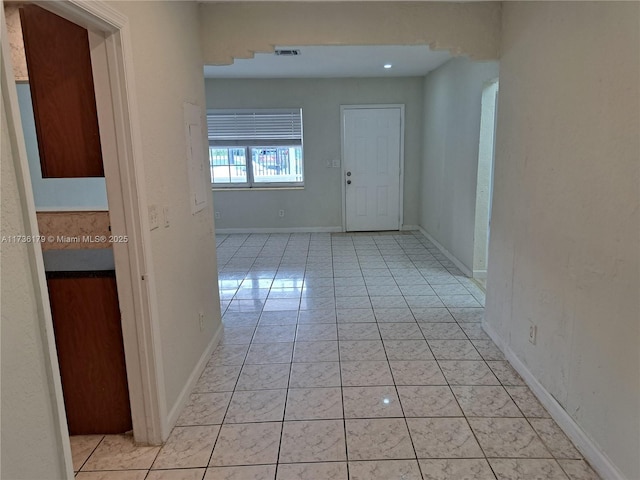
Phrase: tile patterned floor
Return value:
(343, 357)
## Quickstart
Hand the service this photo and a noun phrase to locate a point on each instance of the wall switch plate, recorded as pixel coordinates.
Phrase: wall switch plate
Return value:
(201, 320)
(336, 163)
(216, 215)
(154, 220)
(165, 215)
(281, 213)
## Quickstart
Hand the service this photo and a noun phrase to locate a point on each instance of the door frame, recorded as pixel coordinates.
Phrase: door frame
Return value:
(343, 172)
(482, 216)
(127, 206)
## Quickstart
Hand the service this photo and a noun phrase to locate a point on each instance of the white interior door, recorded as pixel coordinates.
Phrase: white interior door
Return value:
(371, 167)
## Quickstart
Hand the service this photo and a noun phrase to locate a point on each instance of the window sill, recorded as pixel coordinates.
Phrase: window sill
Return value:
(254, 189)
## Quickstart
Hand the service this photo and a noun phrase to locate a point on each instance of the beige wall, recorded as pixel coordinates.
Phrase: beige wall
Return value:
(319, 205)
(237, 29)
(16, 43)
(564, 245)
(168, 73)
(449, 176)
(564, 232)
(31, 437)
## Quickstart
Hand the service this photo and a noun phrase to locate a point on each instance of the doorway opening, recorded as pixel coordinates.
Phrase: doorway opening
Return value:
(61, 111)
(126, 267)
(484, 190)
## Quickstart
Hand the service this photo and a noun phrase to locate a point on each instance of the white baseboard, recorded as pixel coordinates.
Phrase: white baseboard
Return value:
(69, 208)
(228, 231)
(463, 268)
(183, 398)
(409, 227)
(599, 460)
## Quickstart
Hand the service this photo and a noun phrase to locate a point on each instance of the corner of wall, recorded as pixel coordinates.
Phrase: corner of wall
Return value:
(183, 397)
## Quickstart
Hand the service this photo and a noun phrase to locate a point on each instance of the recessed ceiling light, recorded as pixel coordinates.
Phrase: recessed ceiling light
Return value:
(387, 66)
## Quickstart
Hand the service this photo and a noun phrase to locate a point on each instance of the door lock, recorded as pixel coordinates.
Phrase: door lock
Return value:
(348, 174)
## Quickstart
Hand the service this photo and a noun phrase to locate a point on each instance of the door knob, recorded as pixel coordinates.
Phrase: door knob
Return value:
(348, 182)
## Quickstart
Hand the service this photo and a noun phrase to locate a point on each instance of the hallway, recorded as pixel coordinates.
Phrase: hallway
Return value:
(347, 357)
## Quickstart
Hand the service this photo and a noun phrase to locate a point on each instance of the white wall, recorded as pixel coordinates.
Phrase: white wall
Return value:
(238, 29)
(168, 72)
(564, 250)
(320, 203)
(31, 437)
(449, 175)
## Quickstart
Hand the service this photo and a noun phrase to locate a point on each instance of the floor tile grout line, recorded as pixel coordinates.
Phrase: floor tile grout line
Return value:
(548, 448)
(237, 380)
(344, 416)
(90, 454)
(404, 416)
(466, 419)
(226, 411)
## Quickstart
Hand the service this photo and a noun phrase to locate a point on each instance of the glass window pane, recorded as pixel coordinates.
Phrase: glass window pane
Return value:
(228, 165)
(277, 164)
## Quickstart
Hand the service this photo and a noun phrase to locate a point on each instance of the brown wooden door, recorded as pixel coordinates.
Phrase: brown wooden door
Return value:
(63, 95)
(88, 333)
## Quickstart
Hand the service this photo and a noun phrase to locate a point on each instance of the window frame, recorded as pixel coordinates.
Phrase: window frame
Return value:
(244, 184)
(255, 143)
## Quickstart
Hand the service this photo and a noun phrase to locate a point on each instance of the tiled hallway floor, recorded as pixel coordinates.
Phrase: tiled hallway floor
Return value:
(354, 357)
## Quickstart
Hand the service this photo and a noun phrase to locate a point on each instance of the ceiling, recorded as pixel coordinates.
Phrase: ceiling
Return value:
(335, 61)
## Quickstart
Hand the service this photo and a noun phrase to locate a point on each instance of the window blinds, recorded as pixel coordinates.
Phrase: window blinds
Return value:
(254, 125)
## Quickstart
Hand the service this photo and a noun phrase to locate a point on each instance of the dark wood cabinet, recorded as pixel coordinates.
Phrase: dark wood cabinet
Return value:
(88, 333)
(63, 95)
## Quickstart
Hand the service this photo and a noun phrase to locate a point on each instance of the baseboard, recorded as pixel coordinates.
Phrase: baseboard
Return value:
(183, 398)
(409, 227)
(228, 231)
(69, 208)
(463, 268)
(600, 462)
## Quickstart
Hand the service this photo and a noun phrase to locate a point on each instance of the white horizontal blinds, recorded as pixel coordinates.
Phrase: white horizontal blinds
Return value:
(255, 125)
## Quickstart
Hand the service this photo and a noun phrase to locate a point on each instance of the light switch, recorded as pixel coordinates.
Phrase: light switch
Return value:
(165, 215)
(154, 221)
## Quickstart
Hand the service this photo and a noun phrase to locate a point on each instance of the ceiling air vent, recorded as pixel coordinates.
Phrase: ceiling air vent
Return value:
(286, 52)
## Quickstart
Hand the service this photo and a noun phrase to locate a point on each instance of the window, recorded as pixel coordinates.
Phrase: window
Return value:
(255, 148)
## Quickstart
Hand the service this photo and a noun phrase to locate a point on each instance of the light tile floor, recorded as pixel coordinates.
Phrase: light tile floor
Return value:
(354, 357)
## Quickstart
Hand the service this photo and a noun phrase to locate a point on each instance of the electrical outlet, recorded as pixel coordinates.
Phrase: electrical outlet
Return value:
(533, 332)
(165, 215)
(281, 213)
(154, 220)
(201, 319)
(216, 215)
